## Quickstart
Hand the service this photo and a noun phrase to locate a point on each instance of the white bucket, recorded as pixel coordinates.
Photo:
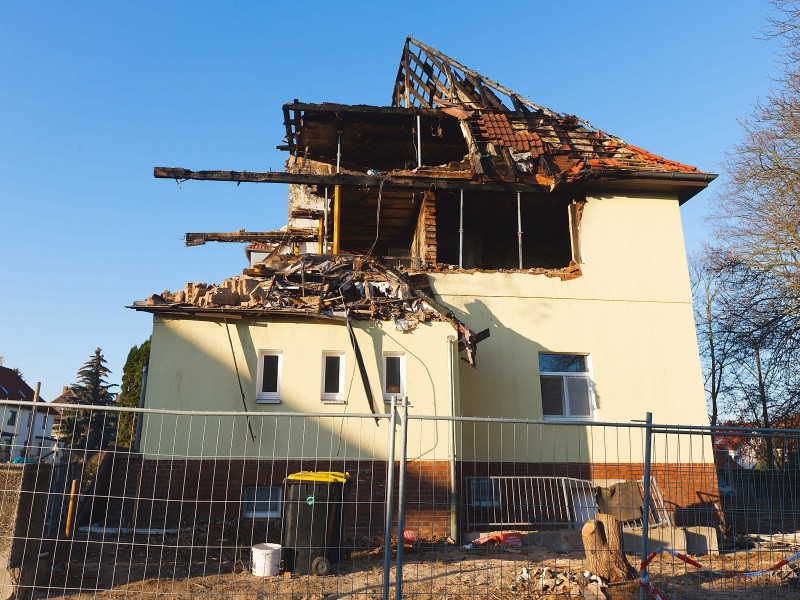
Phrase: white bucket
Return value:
(266, 560)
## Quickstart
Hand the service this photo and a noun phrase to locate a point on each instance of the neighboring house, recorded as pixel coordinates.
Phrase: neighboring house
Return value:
(546, 252)
(24, 433)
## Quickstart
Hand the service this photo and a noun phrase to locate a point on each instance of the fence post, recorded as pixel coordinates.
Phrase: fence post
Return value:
(387, 529)
(401, 501)
(648, 433)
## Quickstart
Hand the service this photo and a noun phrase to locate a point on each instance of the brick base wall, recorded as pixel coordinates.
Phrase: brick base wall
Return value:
(169, 493)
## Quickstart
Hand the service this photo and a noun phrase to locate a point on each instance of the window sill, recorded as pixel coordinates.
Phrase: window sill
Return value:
(268, 400)
(562, 419)
(333, 400)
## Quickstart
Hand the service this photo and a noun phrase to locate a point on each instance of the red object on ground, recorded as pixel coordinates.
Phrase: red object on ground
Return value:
(409, 537)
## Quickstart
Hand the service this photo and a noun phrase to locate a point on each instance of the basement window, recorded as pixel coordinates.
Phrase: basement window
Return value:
(269, 377)
(262, 502)
(566, 386)
(484, 491)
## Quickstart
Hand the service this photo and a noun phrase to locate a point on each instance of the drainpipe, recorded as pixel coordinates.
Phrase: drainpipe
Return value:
(336, 195)
(519, 229)
(419, 141)
(325, 209)
(461, 233)
(336, 215)
(137, 444)
(451, 340)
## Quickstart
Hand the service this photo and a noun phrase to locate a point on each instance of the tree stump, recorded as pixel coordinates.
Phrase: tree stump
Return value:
(605, 555)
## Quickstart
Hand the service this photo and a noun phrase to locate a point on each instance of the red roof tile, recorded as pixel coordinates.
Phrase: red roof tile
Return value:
(571, 147)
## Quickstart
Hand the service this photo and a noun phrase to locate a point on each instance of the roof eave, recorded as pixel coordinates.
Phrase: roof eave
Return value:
(684, 185)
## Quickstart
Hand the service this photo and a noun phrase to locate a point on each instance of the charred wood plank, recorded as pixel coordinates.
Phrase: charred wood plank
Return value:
(198, 239)
(353, 181)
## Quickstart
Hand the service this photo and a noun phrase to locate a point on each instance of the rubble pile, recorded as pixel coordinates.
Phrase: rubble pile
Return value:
(319, 285)
(549, 581)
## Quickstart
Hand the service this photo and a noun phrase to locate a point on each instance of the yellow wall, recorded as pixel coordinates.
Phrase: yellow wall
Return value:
(631, 311)
(192, 369)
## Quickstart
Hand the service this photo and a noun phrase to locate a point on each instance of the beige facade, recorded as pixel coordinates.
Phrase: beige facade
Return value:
(630, 312)
(192, 368)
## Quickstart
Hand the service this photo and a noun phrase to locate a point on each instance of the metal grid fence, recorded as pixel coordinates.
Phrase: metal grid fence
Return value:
(485, 508)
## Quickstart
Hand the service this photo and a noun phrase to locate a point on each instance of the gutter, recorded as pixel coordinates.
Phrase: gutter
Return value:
(662, 175)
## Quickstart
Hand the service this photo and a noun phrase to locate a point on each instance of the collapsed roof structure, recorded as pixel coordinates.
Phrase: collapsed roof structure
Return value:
(458, 173)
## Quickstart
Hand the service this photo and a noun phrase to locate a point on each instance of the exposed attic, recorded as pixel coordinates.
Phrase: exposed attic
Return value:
(459, 173)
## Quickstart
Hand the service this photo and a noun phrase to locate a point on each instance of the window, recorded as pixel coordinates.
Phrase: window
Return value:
(262, 502)
(12, 418)
(333, 377)
(484, 492)
(21, 394)
(394, 375)
(566, 386)
(269, 377)
(3, 388)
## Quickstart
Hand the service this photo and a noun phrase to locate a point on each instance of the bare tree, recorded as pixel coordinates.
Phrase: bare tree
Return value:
(753, 300)
(714, 338)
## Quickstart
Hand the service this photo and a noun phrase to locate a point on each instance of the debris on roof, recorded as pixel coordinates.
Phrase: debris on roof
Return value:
(318, 286)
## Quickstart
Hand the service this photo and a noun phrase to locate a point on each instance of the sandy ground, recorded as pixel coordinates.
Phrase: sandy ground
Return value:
(100, 567)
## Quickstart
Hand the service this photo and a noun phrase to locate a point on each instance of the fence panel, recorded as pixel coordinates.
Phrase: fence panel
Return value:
(493, 507)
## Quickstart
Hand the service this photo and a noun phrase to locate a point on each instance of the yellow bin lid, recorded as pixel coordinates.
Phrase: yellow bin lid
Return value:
(320, 476)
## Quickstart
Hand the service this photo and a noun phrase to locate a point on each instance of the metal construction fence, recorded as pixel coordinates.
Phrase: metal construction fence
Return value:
(336, 505)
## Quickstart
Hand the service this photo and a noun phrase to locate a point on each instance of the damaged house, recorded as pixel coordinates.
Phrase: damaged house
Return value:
(463, 221)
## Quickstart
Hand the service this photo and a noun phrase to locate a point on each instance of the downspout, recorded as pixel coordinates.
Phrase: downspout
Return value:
(336, 207)
(325, 210)
(461, 233)
(519, 228)
(451, 340)
(137, 444)
(336, 215)
(419, 141)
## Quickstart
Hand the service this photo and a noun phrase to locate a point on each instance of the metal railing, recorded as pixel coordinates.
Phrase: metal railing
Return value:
(478, 507)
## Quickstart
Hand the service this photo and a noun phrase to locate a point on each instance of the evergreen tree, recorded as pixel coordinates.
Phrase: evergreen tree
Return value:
(131, 390)
(87, 429)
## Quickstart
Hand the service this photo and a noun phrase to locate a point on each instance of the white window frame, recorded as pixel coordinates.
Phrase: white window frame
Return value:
(587, 375)
(328, 397)
(11, 420)
(387, 396)
(268, 397)
(262, 514)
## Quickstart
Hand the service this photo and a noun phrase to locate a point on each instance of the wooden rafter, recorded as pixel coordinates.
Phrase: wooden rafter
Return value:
(452, 81)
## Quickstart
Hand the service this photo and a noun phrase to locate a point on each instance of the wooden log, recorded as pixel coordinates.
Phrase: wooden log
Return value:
(605, 554)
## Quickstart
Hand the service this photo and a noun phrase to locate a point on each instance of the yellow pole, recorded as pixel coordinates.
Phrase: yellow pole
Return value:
(73, 492)
(336, 215)
(320, 238)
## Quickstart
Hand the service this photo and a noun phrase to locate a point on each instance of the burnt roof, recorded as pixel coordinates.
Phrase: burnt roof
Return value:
(471, 125)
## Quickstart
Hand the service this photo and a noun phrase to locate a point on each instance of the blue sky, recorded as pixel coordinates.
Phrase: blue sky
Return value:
(94, 94)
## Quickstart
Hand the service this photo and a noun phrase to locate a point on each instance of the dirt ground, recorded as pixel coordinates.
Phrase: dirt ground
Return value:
(140, 567)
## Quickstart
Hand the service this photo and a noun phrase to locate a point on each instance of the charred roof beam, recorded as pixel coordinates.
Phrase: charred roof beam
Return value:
(278, 236)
